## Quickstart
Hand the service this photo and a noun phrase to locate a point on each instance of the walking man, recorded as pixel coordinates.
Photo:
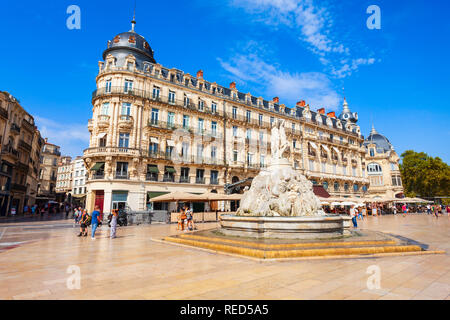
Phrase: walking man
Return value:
(95, 220)
(353, 215)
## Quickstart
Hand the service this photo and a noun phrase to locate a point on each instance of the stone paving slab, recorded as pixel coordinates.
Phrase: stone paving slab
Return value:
(135, 267)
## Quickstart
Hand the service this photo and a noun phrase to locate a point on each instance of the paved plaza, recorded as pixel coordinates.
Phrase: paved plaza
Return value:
(35, 258)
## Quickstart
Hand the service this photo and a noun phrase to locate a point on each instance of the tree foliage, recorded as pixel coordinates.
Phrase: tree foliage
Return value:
(423, 175)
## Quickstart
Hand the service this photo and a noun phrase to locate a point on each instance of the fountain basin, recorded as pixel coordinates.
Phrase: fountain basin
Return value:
(305, 227)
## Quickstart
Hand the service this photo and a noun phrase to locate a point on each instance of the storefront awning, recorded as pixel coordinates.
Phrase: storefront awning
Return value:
(153, 140)
(313, 145)
(326, 148)
(101, 135)
(336, 150)
(152, 168)
(98, 166)
(153, 194)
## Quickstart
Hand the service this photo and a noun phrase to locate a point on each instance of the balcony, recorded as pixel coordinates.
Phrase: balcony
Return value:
(200, 180)
(28, 125)
(151, 177)
(103, 121)
(214, 181)
(112, 150)
(162, 124)
(4, 113)
(18, 187)
(122, 176)
(169, 178)
(185, 179)
(98, 176)
(125, 122)
(9, 150)
(24, 145)
(15, 129)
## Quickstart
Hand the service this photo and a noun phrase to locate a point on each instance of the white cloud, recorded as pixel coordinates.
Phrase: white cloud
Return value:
(73, 138)
(314, 25)
(313, 87)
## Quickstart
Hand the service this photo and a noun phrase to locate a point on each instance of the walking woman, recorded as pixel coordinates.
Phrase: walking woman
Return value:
(115, 214)
(83, 223)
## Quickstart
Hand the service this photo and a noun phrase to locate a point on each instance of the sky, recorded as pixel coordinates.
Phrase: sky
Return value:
(396, 77)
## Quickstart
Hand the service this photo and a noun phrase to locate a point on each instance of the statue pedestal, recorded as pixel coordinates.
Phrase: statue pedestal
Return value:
(279, 164)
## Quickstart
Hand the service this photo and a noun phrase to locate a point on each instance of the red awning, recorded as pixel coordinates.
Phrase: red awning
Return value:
(320, 191)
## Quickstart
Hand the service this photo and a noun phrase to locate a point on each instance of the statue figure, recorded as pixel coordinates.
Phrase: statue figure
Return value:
(278, 141)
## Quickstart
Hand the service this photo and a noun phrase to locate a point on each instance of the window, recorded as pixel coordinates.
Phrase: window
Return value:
(105, 109)
(260, 119)
(344, 170)
(374, 168)
(186, 101)
(213, 152)
(126, 109)
(156, 91)
(393, 166)
(153, 148)
(171, 97)
(336, 186)
(108, 86)
(272, 119)
(262, 161)
(200, 126)
(124, 140)
(346, 186)
(213, 107)
(235, 131)
(185, 150)
(396, 181)
(249, 134)
(170, 119)
(372, 152)
(200, 153)
(122, 170)
(155, 116)
(324, 167)
(169, 150)
(376, 180)
(334, 169)
(128, 86)
(249, 159)
(234, 113)
(355, 187)
(248, 116)
(184, 176)
(311, 165)
(294, 143)
(185, 122)
(201, 105)
(169, 174)
(214, 177)
(325, 185)
(261, 137)
(200, 176)
(213, 128)
(354, 171)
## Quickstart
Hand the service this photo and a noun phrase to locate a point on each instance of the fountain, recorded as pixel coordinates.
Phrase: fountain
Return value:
(281, 203)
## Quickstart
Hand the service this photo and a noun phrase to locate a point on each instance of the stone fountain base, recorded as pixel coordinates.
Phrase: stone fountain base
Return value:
(307, 227)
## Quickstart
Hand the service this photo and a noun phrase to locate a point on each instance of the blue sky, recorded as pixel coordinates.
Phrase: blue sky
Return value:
(397, 77)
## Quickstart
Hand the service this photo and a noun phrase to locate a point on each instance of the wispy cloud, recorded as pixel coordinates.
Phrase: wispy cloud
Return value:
(315, 28)
(314, 87)
(73, 138)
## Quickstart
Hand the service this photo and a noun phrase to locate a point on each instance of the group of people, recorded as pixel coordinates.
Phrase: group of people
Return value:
(185, 218)
(82, 217)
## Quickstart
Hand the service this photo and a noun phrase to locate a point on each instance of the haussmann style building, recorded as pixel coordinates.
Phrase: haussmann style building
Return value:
(156, 129)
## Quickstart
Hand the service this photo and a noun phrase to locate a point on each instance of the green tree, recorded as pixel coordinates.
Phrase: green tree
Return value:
(423, 175)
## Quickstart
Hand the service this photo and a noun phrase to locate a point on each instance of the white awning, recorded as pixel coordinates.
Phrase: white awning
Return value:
(336, 150)
(170, 143)
(101, 135)
(313, 145)
(326, 148)
(154, 140)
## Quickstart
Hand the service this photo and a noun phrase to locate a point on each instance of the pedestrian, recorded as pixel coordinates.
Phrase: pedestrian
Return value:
(183, 218)
(115, 214)
(404, 210)
(353, 214)
(189, 217)
(436, 211)
(95, 219)
(179, 222)
(84, 222)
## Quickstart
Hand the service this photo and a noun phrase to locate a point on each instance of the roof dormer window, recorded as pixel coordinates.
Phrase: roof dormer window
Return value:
(132, 39)
(116, 39)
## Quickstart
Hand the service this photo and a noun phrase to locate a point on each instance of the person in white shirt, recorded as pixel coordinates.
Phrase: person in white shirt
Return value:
(353, 215)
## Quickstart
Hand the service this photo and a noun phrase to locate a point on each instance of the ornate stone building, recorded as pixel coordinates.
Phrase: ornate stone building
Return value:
(50, 158)
(155, 130)
(382, 167)
(64, 177)
(20, 144)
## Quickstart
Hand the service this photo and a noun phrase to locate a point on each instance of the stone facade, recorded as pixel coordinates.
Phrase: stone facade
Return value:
(50, 157)
(20, 144)
(382, 167)
(155, 130)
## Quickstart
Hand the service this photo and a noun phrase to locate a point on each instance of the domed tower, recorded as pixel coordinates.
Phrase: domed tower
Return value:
(381, 142)
(347, 115)
(126, 43)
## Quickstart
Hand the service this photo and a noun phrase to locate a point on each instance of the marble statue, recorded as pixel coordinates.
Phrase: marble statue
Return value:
(280, 190)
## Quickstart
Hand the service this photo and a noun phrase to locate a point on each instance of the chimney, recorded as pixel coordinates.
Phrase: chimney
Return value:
(276, 100)
(233, 85)
(200, 74)
(321, 110)
(331, 114)
(301, 103)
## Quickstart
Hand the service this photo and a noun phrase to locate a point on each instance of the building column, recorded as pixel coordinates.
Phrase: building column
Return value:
(107, 201)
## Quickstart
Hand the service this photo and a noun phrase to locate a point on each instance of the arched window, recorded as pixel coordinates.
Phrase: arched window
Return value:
(346, 186)
(314, 182)
(374, 168)
(355, 187)
(325, 185)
